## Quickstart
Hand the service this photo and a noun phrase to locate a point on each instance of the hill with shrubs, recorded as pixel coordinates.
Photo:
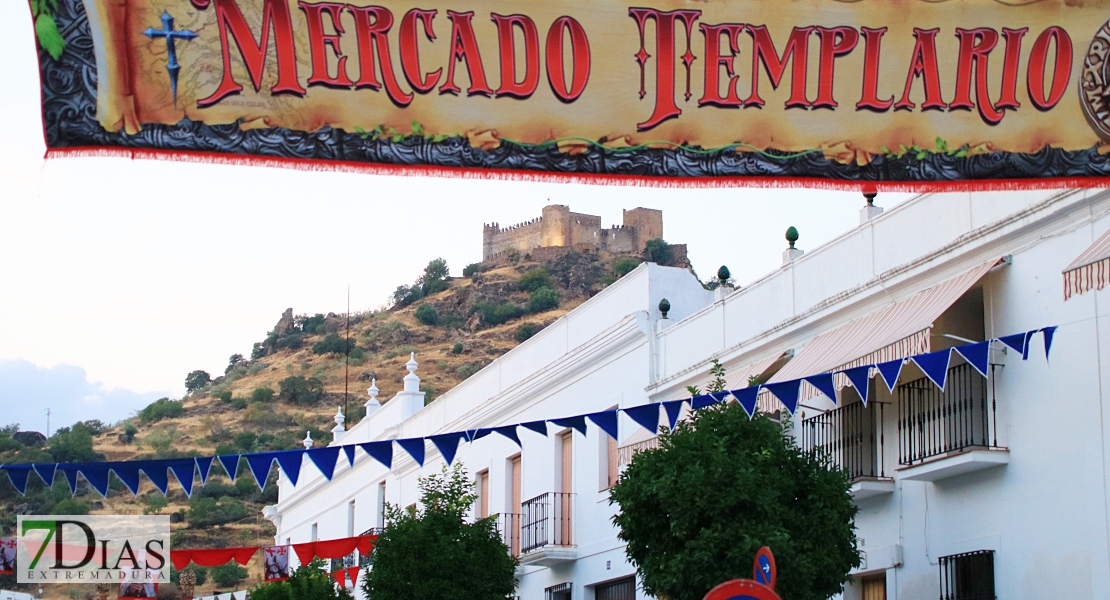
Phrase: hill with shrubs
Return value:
(291, 383)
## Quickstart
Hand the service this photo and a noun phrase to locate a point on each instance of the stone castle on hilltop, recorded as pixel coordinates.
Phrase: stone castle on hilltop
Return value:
(558, 230)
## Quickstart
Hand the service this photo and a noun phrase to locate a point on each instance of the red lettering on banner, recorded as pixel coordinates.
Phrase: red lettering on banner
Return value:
(714, 61)
(665, 106)
(1008, 99)
(372, 25)
(975, 48)
(318, 43)
(924, 65)
(464, 46)
(507, 46)
(580, 55)
(410, 51)
(1061, 69)
(869, 97)
(275, 14)
(796, 51)
(835, 42)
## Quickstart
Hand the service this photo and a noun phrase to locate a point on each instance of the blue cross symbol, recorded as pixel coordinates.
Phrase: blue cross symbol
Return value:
(171, 50)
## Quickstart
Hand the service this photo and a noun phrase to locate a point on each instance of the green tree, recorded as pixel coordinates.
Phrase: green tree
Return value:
(228, 575)
(458, 560)
(262, 394)
(197, 380)
(534, 280)
(333, 343)
(299, 390)
(543, 299)
(524, 332)
(308, 582)
(694, 511)
(234, 361)
(70, 506)
(624, 265)
(426, 314)
(73, 444)
(658, 251)
(162, 408)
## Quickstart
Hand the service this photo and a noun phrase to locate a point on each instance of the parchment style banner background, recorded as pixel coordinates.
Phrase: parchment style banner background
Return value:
(602, 134)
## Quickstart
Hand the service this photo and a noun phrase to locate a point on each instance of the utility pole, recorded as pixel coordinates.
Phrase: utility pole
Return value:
(347, 363)
(48, 423)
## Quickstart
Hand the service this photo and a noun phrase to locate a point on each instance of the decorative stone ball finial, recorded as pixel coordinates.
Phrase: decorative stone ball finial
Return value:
(339, 418)
(412, 364)
(870, 197)
(723, 274)
(308, 441)
(664, 307)
(373, 390)
(791, 235)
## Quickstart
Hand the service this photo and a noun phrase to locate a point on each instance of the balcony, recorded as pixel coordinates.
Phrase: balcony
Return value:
(943, 434)
(851, 439)
(508, 525)
(547, 530)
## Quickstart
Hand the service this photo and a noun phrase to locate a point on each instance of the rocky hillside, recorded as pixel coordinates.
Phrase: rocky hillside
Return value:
(291, 384)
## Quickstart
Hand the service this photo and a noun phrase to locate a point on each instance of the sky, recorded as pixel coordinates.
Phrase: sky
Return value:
(119, 277)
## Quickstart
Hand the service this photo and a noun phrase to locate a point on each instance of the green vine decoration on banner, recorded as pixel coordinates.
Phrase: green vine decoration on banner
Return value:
(46, 30)
(382, 132)
(693, 149)
(941, 148)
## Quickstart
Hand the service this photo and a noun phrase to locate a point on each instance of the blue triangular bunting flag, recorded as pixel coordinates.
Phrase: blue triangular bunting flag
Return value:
(380, 451)
(576, 423)
(470, 435)
(290, 462)
(483, 432)
(1028, 344)
(607, 421)
(230, 463)
(934, 365)
(155, 471)
(702, 401)
(1048, 333)
(890, 371)
(70, 472)
(204, 465)
(673, 408)
(260, 464)
(128, 473)
(976, 355)
(824, 384)
(786, 392)
(97, 476)
(1016, 341)
(447, 444)
(646, 416)
(17, 474)
(325, 459)
(184, 470)
(350, 452)
(46, 471)
(861, 380)
(539, 427)
(509, 431)
(747, 398)
(415, 448)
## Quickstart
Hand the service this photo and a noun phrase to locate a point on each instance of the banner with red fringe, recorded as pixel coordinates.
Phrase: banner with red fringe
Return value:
(325, 549)
(960, 95)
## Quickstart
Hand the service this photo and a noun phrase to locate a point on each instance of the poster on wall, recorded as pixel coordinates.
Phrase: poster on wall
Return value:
(275, 563)
(963, 94)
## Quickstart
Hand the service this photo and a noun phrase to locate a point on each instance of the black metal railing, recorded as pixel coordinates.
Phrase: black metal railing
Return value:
(508, 525)
(365, 560)
(967, 576)
(546, 520)
(558, 592)
(850, 437)
(932, 422)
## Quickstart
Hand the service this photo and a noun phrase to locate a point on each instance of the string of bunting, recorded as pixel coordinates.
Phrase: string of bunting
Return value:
(933, 364)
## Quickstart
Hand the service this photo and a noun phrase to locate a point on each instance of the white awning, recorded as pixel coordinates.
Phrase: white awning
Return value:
(898, 331)
(1091, 270)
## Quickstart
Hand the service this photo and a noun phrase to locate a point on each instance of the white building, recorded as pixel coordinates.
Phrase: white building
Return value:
(998, 481)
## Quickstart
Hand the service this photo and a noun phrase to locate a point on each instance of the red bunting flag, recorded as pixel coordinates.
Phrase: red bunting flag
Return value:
(213, 557)
(352, 574)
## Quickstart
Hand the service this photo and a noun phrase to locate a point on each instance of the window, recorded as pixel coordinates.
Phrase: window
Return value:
(873, 587)
(967, 576)
(609, 468)
(621, 589)
(932, 422)
(351, 519)
(381, 505)
(315, 532)
(851, 436)
(558, 592)
(483, 494)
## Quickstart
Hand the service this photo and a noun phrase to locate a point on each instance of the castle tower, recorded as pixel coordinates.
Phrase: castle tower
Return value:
(555, 226)
(488, 231)
(646, 224)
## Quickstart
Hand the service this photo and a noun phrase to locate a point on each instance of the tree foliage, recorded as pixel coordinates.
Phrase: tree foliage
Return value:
(197, 380)
(624, 265)
(543, 299)
(298, 390)
(426, 314)
(534, 280)
(308, 582)
(694, 511)
(658, 251)
(162, 408)
(73, 444)
(436, 553)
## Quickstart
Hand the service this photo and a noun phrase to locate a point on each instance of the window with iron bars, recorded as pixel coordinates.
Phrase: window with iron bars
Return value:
(967, 576)
(849, 437)
(558, 592)
(932, 422)
(365, 560)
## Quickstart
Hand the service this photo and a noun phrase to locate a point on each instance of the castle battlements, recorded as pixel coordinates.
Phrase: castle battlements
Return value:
(558, 227)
